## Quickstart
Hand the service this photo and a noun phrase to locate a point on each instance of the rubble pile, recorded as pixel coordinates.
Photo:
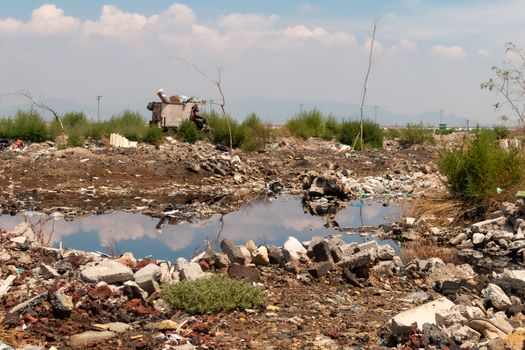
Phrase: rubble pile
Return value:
(498, 238)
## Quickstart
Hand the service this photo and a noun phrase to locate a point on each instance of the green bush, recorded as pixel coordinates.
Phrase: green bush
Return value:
(416, 135)
(188, 132)
(129, 124)
(29, 126)
(501, 131)
(331, 128)
(447, 131)
(255, 134)
(307, 124)
(392, 134)
(154, 135)
(220, 134)
(372, 134)
(213, 294)
(6, 128)
(479, 167)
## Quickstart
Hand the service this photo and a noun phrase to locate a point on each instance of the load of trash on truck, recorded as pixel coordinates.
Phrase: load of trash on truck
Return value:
(172, 111)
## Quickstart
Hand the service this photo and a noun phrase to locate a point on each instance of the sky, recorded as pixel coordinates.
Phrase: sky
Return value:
(274, 56)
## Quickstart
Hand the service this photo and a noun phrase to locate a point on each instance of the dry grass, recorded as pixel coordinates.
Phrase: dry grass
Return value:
(439, 209)
(426, 248)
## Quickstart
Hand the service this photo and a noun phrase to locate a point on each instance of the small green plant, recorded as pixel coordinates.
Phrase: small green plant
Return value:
(219, 129)
(29, 126)
(372, 134)
(446, 131)
(307, 124)
(331, 128)
(255, 134)
(154, 135)
(129, 124)
(188, 132)
(476, 169)
(501, 131)
(416, 135)
(213, 294)
(392, 133)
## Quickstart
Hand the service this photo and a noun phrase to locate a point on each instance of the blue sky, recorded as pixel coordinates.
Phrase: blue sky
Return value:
(274, 54)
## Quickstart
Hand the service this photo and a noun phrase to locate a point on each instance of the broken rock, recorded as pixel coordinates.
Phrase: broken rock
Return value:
(148, 277)
(293, 249)
(497, 297)
(426, 313)
(108, 271)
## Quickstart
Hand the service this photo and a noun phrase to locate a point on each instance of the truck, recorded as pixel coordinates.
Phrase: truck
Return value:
(170, 112)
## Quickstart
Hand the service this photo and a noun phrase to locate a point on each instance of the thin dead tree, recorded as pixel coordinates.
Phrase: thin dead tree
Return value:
(41, 105)
(218, 84)
(365, 83)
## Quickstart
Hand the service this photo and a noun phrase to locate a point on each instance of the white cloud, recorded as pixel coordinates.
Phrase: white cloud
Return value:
(10, 25)
(449, 52)
(45, 20)
(377, 45)
(113, 22)
(247, 21)
(483, 53)
(301, 32)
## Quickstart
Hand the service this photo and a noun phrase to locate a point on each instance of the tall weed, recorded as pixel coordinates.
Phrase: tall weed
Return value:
(479, 167)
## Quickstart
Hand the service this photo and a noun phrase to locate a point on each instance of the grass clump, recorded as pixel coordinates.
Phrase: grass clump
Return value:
(307, 124)
(424, 249)
(29, 126)
(416, 135)
(392, 133)
(220, 133)
(255, 135)
(188, 132)
(501, 131)
(213, 294)
(479, 167)
(372, 134)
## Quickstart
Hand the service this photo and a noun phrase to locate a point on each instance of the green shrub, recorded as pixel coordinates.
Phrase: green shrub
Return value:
(372, 134)
(392, 134)
(331, 128)
(154, 135)
(6, 128)
(188, 132)
(75, 125)
(75, 140)
(255, 134)
(213, 294)
(220, 134)
(446, 131)
(416, 135)
(307, 124)
(479, 167)
(29, 126)
(129, 124)
(501, 131)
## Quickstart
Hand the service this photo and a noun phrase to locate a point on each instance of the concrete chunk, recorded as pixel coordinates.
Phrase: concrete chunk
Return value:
(90, 337)
(108, 271)
(426, 313)
(148, 277)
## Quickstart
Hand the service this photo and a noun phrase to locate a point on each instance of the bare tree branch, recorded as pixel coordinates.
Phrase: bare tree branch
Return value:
(218, 84)
(365, 83)
(45, 107)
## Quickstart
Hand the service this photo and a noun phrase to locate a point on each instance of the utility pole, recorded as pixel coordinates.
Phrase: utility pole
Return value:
(375, 113)
(441, 117)
(98, 97)
(301, 108)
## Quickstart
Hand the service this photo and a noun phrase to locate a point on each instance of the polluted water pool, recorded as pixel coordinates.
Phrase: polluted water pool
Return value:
(267, 222)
